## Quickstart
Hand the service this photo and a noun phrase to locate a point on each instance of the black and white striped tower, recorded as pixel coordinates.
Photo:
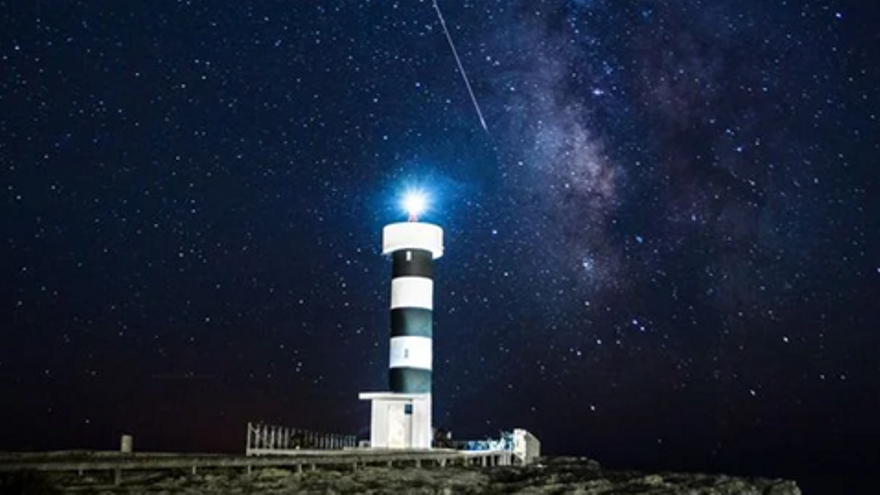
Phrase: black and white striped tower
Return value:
(401, 418)
(413, 246)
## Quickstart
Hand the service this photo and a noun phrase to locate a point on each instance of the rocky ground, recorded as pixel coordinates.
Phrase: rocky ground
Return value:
(553, 476)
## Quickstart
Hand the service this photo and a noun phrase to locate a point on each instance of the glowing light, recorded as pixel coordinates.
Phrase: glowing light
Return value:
(415, 203)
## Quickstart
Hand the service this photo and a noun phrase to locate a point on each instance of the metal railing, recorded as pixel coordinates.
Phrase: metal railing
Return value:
(263, 439)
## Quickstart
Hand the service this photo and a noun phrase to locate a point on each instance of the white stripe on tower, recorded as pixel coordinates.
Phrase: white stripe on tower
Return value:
(412, 292)
(411, 352)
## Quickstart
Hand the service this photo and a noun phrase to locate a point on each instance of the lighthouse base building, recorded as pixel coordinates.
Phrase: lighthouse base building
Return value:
(401, 418)
(399, 421)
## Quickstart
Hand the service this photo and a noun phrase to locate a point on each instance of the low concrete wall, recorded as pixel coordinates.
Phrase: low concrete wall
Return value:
(296, 459)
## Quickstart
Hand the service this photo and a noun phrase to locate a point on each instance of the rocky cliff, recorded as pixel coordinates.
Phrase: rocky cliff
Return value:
(552, 476)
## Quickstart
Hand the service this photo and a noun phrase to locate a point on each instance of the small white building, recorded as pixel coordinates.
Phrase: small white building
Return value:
(399, 421)
(526, 447)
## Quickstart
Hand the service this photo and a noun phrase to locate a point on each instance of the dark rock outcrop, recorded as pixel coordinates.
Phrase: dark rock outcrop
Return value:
(552, 476)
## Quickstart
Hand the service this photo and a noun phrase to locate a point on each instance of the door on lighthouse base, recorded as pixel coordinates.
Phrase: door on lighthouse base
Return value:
(399, 425)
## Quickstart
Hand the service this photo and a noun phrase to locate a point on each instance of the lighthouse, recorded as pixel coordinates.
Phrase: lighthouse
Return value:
(401, 417)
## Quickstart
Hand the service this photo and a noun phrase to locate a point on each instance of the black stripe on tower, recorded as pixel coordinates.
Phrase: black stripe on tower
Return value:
(412, 322)
(412, 263)
(410, 380)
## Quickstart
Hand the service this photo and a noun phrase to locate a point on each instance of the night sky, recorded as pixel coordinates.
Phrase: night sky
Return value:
(663, 253)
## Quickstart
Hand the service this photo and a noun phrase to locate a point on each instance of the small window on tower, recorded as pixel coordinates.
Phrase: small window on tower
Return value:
(407, 409)
(409, 256)
(406, 353)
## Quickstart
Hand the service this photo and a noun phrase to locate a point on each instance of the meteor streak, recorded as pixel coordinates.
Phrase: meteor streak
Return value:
(460, 66)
